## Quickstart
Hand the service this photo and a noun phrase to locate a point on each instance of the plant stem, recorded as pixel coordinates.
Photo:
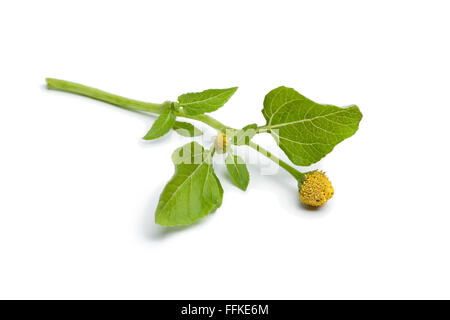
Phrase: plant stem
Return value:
(136, 105)
(262, 130)
(126, 103)
(210, 121)
(294, 172)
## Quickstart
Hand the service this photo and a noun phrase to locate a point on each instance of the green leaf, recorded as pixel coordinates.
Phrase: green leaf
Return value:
(244, 135)
(193, 192)
(307, 131)
(205, 101)
(186, 129)
(162, 125)
(237, 170)
(212, 192)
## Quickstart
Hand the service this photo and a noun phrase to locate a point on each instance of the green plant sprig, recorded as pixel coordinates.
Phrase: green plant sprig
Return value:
(306, 131)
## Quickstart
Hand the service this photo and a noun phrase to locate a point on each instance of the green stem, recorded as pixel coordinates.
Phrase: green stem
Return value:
(210, 121)
(262, 130)
(126, 103)
(129, 104)
(294, 172)
(136, 105)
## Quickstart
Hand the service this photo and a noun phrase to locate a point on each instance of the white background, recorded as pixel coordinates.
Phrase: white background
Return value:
(78, 187)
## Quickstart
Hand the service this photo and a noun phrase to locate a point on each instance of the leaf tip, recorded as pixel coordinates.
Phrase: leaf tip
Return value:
(357, 110)
(243, 188)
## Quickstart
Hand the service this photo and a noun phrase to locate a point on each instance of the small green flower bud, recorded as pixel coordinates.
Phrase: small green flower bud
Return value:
(221, 143)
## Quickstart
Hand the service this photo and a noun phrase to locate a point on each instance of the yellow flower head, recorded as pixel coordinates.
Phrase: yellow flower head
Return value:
(316, 189)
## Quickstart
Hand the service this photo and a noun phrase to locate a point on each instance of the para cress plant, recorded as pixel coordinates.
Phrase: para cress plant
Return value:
(306, 131)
